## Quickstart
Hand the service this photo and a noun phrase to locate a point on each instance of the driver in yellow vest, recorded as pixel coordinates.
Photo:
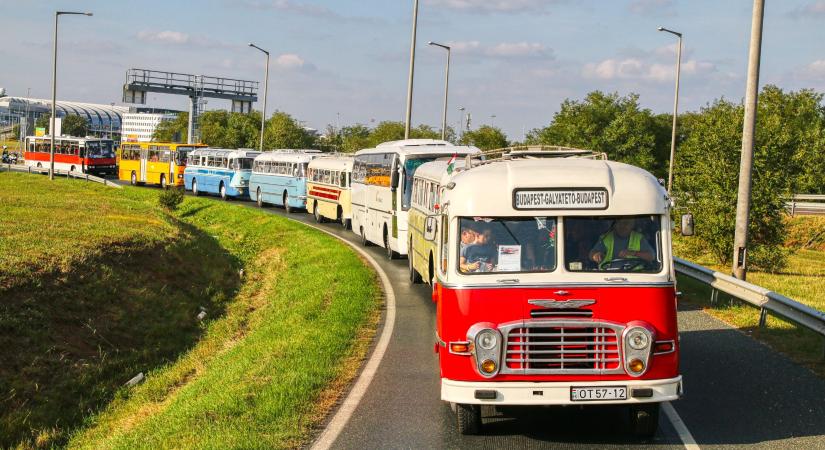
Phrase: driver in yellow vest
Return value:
(622, 242)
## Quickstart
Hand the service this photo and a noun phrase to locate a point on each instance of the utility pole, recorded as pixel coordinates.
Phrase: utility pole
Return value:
(675, 107)
(740, 240)
(412, 73)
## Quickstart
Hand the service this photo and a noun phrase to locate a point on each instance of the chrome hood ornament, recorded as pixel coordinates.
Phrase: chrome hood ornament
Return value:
(562, 304)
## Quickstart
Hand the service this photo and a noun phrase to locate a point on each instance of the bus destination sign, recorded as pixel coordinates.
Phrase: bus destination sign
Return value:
(560, 199)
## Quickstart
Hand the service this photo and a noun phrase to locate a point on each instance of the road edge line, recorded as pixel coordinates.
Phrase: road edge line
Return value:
(347, 408)
(680, 427)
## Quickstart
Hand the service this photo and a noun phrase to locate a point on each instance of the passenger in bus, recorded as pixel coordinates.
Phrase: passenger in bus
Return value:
(622, 242)
(481, 256)
(468, 238)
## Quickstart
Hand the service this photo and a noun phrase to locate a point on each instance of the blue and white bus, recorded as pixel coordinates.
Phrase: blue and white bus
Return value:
(279, 178)
(219, 171)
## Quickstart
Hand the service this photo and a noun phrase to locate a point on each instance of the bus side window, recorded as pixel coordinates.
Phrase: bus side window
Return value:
(445, 249)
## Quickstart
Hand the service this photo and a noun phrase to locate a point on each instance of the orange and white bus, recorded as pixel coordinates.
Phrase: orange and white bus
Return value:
(328, 188)
(87, 155)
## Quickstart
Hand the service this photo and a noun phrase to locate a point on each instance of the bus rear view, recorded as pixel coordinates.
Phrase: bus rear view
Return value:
(555, 287)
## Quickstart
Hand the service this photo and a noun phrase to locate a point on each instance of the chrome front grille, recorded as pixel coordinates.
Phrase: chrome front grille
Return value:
(562, 347)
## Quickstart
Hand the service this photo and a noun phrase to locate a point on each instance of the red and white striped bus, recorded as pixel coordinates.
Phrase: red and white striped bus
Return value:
(88, 155)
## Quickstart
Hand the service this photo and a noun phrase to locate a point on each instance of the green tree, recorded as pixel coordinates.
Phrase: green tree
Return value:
(172, 130)
(74, 125)
(606, 123)
(282, 131)
(386, 131)
(221, 128)
(486, 137)
(43, 121)
(354, 138)
(707, 172)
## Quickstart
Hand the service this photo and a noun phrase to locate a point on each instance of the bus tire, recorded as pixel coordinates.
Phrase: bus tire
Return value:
(346, 224)
(133, 179)
(364, 241)
(39, 166)
(194, 187)
(287, 208)
(644, 419)
(259, 198)
(339, 216)
(468, 418)
(222, 190)
(163, 181)
(415, 277)
(72, 169)
(318, 217)
(390, 253)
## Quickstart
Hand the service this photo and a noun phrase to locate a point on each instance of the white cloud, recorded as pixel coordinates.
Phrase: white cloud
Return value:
(636, 69)
(493, 6)
(503, 50)
(810, 10)
(289, 61)
(165, 37)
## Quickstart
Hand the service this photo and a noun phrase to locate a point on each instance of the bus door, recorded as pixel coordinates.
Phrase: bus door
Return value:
(144, 161)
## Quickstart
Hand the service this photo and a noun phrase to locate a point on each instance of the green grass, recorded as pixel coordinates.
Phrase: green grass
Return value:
(802, 280)
(277, 348)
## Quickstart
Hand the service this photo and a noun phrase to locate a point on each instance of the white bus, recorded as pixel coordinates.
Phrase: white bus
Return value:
(382, 188)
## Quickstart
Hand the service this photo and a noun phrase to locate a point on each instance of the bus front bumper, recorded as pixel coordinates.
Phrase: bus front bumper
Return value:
(556, 393)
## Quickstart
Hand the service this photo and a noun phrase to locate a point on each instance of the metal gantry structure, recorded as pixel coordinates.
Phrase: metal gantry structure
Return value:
(242, 93)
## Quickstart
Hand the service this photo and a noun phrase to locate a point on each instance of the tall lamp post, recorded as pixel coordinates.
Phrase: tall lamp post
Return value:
(408, 117)
(54, 86)
(675, 106)
(446, 89)
(266, 92)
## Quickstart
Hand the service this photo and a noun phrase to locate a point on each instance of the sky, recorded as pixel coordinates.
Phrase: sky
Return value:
(346, 61)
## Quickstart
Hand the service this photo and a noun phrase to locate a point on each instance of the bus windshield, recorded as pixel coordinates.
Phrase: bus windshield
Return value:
(514, 244)
(613, 244)
(410, 166)
(181, 155)
(99, 149)
(242, 164)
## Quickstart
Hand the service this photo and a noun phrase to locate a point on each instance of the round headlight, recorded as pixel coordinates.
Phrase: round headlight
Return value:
(638, 339)
(487, 340)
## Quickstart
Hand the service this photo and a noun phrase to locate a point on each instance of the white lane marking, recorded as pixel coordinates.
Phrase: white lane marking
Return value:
(679, 425)
(347, 408)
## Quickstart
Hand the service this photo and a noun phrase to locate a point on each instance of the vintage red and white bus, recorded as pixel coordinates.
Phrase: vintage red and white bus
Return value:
(88, 155)
(554, 286)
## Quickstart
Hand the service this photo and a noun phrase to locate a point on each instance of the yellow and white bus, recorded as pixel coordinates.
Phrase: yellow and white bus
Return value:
(328, 189)
(382, 188)
(159, 163)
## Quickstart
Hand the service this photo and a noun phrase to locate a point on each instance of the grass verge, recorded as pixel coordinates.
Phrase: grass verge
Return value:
(97, 295)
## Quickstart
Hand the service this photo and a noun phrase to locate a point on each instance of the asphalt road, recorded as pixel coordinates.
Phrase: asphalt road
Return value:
(738, 392)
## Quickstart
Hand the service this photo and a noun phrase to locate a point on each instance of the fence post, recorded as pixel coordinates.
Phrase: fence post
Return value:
(763, 317)
(714, 296)
(793, 205)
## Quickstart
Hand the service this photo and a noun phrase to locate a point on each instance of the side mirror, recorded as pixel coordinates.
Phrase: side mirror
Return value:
(430, 225)
(394, 179)
(687, 224)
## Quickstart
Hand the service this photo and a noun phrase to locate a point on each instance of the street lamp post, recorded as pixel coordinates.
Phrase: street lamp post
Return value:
(54, 86)
(675, 106)
(461, 123)
(446, 88)
(266, 92)
(411, 75)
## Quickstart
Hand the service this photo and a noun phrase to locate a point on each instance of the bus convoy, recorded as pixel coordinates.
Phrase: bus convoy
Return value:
(89, 155)
(553, 277)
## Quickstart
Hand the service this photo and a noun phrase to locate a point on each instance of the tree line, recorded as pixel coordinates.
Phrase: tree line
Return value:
(788, 154)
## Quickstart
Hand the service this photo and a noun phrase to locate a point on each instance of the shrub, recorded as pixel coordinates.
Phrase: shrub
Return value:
(169, 199)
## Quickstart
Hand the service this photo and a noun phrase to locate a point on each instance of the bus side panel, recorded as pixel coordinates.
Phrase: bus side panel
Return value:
(420, 249)
(126, 168)
(359, 212)
(457, 310)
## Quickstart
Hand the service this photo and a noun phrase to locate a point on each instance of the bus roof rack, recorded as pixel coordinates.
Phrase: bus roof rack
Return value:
(414, 143)
(544, 151)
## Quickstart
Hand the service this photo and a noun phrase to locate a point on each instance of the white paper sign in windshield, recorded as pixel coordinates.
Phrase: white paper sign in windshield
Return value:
(560, 199)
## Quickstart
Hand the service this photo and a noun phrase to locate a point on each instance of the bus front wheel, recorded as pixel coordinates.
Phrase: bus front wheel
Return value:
(162, 181)
(194, 187)
(364, 241)
(259, 198)
(390, 253)
(222, 191)
(287, 208)
(316, 213)
(468, 418)
(415, 277)
(133, 179)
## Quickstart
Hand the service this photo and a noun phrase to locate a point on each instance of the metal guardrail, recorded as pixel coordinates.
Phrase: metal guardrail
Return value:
(764, 299)
(806, 204)
(66, 173)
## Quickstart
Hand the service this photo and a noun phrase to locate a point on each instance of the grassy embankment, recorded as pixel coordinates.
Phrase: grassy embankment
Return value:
(98, 284)
(802, 280)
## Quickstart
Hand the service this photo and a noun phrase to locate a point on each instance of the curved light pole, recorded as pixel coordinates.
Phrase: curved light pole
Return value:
(675, 106)
(446, 89)
(266, 92)
(54, 85)
(412, 73)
